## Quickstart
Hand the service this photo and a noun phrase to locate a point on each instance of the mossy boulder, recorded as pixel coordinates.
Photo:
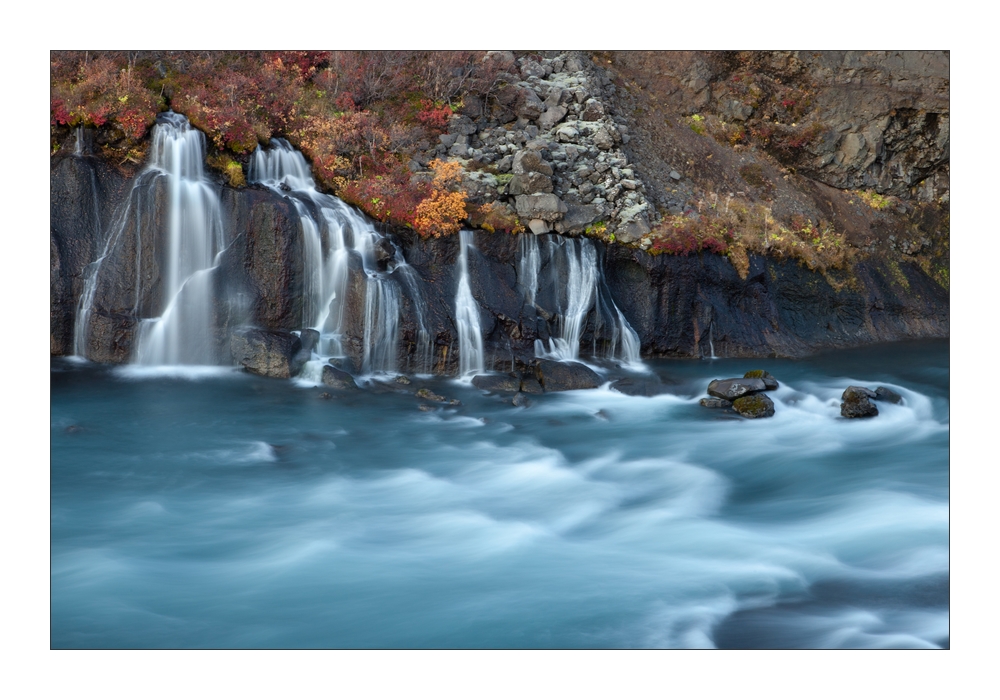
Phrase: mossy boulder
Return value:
(754, 406)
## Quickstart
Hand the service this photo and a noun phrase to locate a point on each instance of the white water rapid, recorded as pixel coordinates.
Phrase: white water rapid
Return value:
(332, 232)
(470, 335)
(578, 281)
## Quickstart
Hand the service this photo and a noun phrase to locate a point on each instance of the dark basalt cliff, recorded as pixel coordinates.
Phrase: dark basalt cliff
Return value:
(682, 306)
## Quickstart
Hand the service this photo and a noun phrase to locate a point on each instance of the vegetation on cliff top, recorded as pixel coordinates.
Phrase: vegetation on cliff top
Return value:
(356, 115)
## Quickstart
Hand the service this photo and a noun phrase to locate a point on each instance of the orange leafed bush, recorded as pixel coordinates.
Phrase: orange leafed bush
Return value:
(443, 212)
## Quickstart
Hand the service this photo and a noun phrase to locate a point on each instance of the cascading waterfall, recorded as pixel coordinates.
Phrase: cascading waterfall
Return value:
(578, 279)
(194, 238)
(470, 335)
(332, 231)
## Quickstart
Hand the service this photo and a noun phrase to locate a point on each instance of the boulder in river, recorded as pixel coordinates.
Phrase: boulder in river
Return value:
(497, 382)
(337, 378)
(521, 399)
(716, 403)
(770, 383)
(566, 376)
(731, 389)
(754, 406)
(856, 403)
(885, 394)
(267, 353)
(639, 386)
(530, 384)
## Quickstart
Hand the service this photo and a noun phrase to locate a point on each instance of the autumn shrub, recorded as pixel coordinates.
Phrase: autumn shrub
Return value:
(443, 212)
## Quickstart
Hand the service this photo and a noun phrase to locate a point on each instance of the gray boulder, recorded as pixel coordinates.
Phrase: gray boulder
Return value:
(529, 183)
(547, 207)
(551, 117)
(337, 378)
(521, 399)
(639, 386)
(528, 161)
(566, 376)
(884, 394)
(267, 353)
(497, 382)
(716, 403)
(530, 384)
(856, 403)
(770, 383)
(732, 389)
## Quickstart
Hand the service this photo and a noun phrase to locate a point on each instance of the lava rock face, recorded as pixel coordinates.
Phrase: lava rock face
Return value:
(856, 403)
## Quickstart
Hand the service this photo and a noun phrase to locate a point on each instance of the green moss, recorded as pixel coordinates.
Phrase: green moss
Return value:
(754, 406)
(755, 374)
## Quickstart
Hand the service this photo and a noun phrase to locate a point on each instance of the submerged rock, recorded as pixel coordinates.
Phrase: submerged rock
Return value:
(856, 403)
(885, 394)
(267, 353)
(639, 386)
(337, 378)
(567, 376)
(521, 399)
(426, 393)
(770, 383)
(731, 389)
(754, 406)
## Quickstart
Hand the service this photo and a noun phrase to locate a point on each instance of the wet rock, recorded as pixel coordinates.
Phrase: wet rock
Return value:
(326, 396)
(521, 399)
(566, 376)
(337, 378)
(402, 379)
(731, 389)
(888, 395)
(425, 408)
(770, 383)
(716, 403)
(267, 353)
(754, 406)
(426, 393)
(856, 403)
(497, 382)
(530, 384)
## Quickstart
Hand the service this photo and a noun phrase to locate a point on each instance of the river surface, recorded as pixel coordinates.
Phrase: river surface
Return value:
(195, 508)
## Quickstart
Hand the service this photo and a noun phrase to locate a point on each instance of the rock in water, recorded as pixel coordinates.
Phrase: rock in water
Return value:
(884, 394)
(731, 389)
(716, 403)
(429, 395)
(267, 353)
(337, 378)
(529, 384)
(770, 383)
(639, 387)
(754, 406)
(497, 382)
(521, 399)
(567, 376)
(856, 403)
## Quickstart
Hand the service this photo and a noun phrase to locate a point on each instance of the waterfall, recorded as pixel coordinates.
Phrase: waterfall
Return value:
(577, 278)
(470, 335)
(332, 232)
(183, 333)
(193, 239)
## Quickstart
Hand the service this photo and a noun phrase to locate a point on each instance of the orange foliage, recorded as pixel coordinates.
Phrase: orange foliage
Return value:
(443, 212)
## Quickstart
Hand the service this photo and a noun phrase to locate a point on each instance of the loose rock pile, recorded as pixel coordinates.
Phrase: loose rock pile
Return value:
(743, 395)
(550, 151)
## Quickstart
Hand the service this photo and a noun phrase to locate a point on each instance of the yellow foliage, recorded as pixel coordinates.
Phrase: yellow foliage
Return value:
(443, 212)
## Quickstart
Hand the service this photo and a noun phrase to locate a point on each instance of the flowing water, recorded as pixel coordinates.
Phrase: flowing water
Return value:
(470, 334)
(332, 233)
(577, 277)
(211, 508)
